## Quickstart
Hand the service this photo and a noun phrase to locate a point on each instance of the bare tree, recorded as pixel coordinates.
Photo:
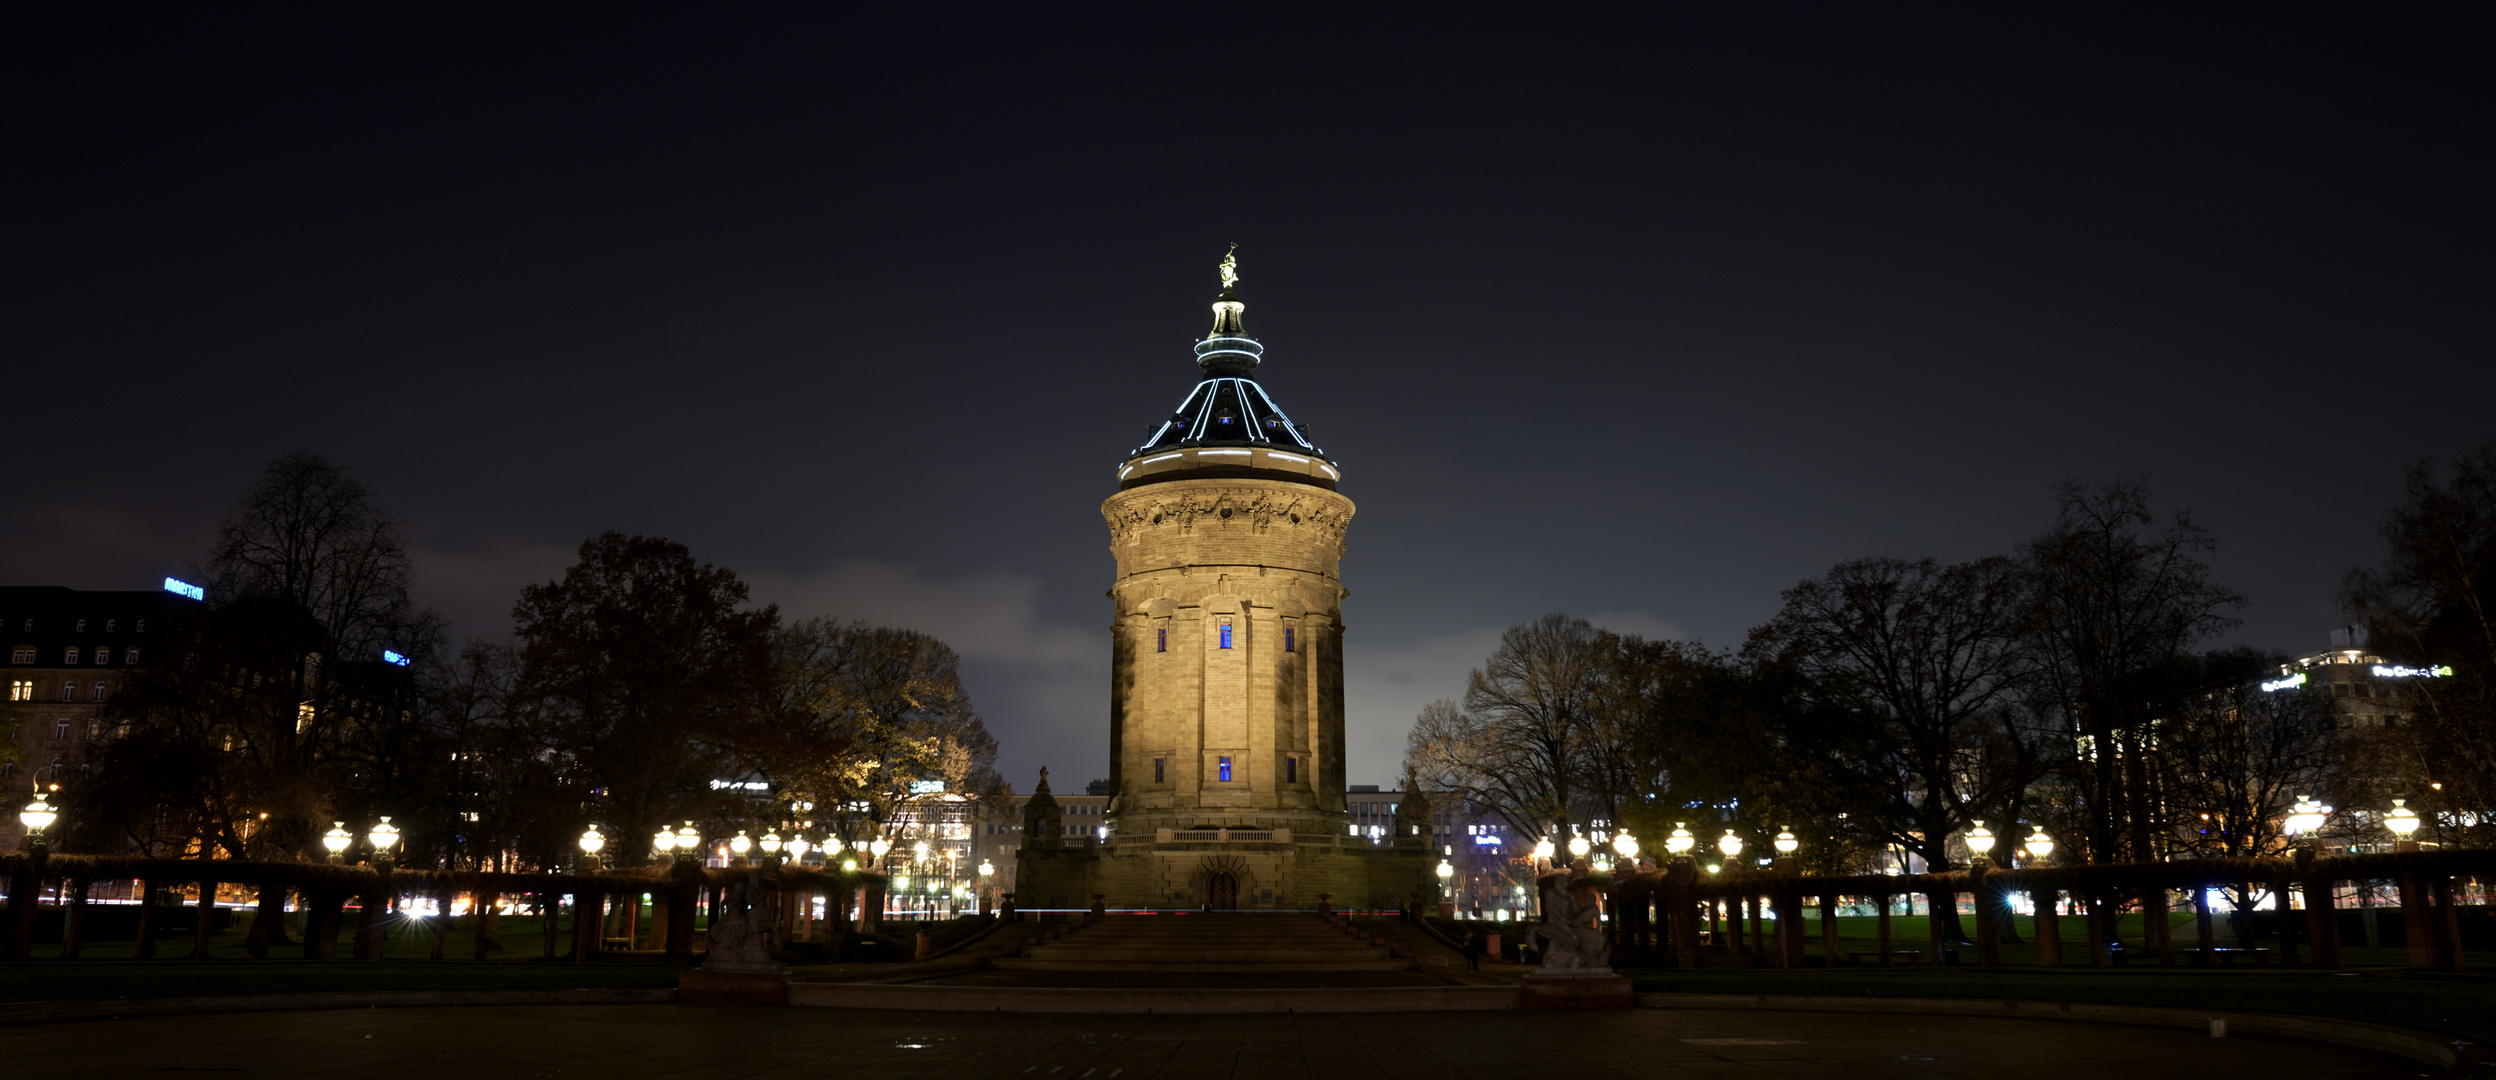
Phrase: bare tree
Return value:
(2116, 601)
(1525, 742)
(1909, 673)
(2433, 602)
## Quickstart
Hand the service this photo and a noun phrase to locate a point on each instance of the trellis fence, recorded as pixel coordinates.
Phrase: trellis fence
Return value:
(323, 892)
(1658, 914)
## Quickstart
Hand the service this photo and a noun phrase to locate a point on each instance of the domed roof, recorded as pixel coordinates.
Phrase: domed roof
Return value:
(1228, 424)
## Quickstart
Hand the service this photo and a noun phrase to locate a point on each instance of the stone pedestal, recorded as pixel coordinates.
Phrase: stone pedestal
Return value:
(729, 988)
(1592, 991)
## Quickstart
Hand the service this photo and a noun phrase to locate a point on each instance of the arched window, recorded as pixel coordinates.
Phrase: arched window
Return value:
(1226, 635)
(69, 655)
(104, 654)
(60, 729)
(69, 692)
(109, 624)
(82, 626)
(129, 656)
(24, 654)
(99, 690)
(142, 626)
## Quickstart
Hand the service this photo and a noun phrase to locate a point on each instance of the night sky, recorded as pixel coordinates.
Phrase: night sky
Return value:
(1637, 320)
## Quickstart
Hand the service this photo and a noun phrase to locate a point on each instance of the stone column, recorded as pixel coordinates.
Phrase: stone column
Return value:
(74, 922)
(207, 918)
(2049, 933)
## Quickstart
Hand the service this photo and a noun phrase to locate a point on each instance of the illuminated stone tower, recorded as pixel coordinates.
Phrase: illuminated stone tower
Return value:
(1226, 693)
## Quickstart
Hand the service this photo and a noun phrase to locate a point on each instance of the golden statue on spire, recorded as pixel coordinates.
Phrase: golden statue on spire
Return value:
(1230, 268)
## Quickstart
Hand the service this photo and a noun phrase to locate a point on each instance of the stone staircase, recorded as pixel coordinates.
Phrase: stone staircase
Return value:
(1220, 943)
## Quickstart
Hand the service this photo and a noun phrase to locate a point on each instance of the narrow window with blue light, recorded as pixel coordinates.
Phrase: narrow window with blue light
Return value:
(1226, 768)
(1157, 770)
(1226, 640)
(1287, 643)
(1291, 766)
(1161, 641)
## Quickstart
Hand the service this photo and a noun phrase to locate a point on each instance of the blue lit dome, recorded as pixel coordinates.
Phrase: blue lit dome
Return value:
(1228, 425)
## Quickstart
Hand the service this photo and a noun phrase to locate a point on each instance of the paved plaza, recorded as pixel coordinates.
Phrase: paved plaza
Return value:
(683, 1041)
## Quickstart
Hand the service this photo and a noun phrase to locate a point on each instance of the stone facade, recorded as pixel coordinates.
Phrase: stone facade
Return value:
(1226, 694)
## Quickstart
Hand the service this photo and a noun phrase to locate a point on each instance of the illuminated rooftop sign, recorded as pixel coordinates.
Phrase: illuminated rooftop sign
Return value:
(390, 657)
(2383, 671)
(927, 787)
(2295, 680)
(179, 587)
(739, 785)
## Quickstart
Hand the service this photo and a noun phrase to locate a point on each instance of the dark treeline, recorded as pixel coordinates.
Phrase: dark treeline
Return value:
(2069, 685)
(630, 688)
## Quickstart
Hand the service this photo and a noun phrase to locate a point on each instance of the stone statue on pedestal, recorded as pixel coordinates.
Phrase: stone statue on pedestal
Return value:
(743, 938)
(1570, 936)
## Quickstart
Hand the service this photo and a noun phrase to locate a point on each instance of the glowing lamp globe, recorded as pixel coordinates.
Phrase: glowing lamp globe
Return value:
(798, 847)
(39, 815)
(337, 839)
(1579, 846)
(831, 846)
(1786, 843)
(879, 847)
(384, 836)
(2039, 845)
(740, 844)
(2307, 816)
(591, 842)
(663, 841)
(986, 868)
(1446, 870)
(1681, 841)
(1625, 844)
(1543, 849)
(1980, 839)
(687, 839)
(2402, 820)
(1730, 844)
(771, 843)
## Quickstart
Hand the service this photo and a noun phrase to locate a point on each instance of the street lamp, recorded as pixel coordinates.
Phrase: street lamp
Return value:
(383, 837)
(1578, 847)
(688, 839)
(831, 847)
(1627, 846)
(1730, 844)
(337, 840)
(663, 841)
(1447, 880)
(2307, 816)
(37, 817)
(1980, 840)
(771, 843)
(738, 845)
(797, 848)
(1680, 843)
(591, 844)
(878, 848)
(2039, 845)
(1543, 850)
(2404, 823)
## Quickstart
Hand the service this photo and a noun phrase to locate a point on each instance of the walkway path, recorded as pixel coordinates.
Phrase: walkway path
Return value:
(558, 1041)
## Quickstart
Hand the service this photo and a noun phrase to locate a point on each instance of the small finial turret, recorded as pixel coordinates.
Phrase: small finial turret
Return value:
(1227, 308)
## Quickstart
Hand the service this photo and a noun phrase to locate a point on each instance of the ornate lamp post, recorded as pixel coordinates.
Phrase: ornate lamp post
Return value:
(1786, 844)
(37, 817)
(772, 845)
(1979, 842)
(663, 842)
(1447, 884)
(2403, 822)
(592, 842)
(383, 837)
(689, 843)
(2038, 844)
(1543, 851)
(987, 886)
(738, 845)
(1626, 846)
(1680, 843)
(1730, 844)
(797, 848)
(337, 840)
(1578, 847)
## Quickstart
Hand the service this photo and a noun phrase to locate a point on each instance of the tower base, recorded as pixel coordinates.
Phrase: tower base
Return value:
(1251, 866)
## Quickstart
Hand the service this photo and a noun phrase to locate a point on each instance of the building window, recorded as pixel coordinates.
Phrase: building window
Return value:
(69, 655)
(21, 690)
(109, 624)
(69, 691)
(82, 626)
(24, 654)
(99, 690)
(60, 730)
(129, 656)
(104, 655)
(1291, 770)
(1288, 644)
(142, 628)
(1161, 641)
(1225, 765)
(1226, 638)
(1158, 775)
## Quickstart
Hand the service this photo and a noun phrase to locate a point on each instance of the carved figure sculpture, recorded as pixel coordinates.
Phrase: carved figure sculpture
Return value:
(742, 937)
(1569, 935)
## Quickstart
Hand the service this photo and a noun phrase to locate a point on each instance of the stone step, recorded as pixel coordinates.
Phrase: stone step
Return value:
(1030, 963)
(1225, 953)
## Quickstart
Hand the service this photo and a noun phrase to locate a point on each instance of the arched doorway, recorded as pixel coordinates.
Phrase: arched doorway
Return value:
(1222, 890)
